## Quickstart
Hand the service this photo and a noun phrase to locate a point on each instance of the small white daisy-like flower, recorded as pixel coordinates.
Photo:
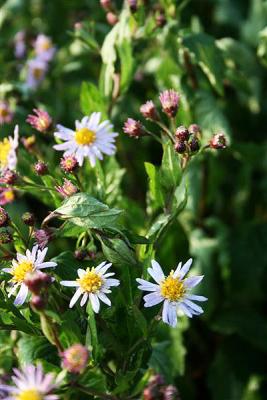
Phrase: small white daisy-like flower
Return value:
(93, 284)
(31, 383)
(30, 262)
(91, 139)
(8, 147)
(173, 291)
(44, 48)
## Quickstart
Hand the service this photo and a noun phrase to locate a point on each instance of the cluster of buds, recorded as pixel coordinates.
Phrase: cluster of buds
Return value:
(75, 358)
(187, 139)
(5, 235)
(38, 282)
(41, 121)
(170, 101)
(158, 390)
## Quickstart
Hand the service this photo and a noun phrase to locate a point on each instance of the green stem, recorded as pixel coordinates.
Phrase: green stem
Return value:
(14, 226)
(80, 185)
(154, 136)
(91, 392)
(166, 130)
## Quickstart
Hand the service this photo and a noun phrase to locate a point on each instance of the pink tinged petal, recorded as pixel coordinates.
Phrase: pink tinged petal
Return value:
(193, 281)
(112, 282)
(84, 299)
(152, 299)
(196, 297)
(69, 283)
(185, 268)
(21, 296)
(75, 298)
(147, 286)
(104, 298)
(156, 272)
(193, 306)
(95, 302)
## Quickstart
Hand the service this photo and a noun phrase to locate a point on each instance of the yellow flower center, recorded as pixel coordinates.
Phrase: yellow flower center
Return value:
(172, 288)
(5, 147)
(85, 137)
(30, 394)
(46, 45)
(37, 73)
(9, 195)
(91, 282)
(4, 112)
(20, 271)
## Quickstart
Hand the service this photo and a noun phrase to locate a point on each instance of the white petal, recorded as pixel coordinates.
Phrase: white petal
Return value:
(176, 272)
(185, 310)
(196, 297)
(48, 264)
(185, 268)
(84, 299)
(112, 282)
(69, 283)
(152, 299)
(81, 272)
(156, 272)
(194, 306)
(104, 298)
(192, 281)
(169, 315)
(75, 298)
(21, 296)
(95, 302)
(147, 286)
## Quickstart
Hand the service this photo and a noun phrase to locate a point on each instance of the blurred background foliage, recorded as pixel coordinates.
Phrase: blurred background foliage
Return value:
(214, 52)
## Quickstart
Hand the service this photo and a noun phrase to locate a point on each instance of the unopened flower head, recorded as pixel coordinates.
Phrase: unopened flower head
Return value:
(7, 195)
(132, 5)
(5, 238)
(42, 236)
(106, 4)
(36, 70)
(218, 141)
(44, 48)
(8, 147)
(93, 284)
(31, 383)
(28, 218)
(37, 280)
(133, 128)
(112, 18)
(194, 144)
(75, 358)
(182, 133)
(148, 110)
(23, 264)
(6, 115)
(180, 146)
(8, 177)
(4, 217)
(20, 45)
(91, 139)
(40, 168)
(67, 189)
(194, 129)
(69, 163)
(41, 121)
(173, 291)
(170, 102)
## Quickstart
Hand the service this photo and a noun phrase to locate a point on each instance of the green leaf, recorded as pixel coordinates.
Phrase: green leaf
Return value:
(154, 185)
(170, 168)
(127, 64)
(31, 348)
(91, 100)
(207, 55)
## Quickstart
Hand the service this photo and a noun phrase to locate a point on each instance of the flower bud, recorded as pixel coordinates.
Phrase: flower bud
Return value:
(160, 19)
(42, 236)
(182, 133)
(37, 281)
(218, 141)
(170, 393)
(80, 254)
(194, 145)
(67, 189)
(133, 128)
(4, 217)
(40, 168)
(28, 219)
(29, 142)
(6, 115)
(5, 237)
(41, 121)
(106, 4)
(180, 147)
(75, 358)
(133, 5)
(112, 18)
(69, 164)
(38, 303)
(169, 101)
(194, 129)
(8, 177)
(148, 110)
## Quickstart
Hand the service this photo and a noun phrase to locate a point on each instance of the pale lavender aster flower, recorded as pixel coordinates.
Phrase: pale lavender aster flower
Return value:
(44, 48)
(173, 291)
(36, 69)
(93, 284)
(20, 45)
(31, 383)
(23, 264)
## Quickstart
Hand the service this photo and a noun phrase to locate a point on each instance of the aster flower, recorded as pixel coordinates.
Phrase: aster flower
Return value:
(42, 236)
(8, 177)
(69, 163)
(7, 195)
(30, 262)
(6, 115)
(93, 284)
(35, 72)
(31, 383)
(173, 291)
(169, 101)
(67, 189)
(148, 110)
(133, 128)
(91, 139)
(8, 147)
(41, 121)
(75, 358)
(20, 46)
(44, 48)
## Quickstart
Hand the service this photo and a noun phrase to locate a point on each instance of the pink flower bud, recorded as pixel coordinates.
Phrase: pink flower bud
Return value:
(41, 121)
(75, 358)
(169, 101)
(133, 128)
(148, 110)
(218, 141)
(67, 189)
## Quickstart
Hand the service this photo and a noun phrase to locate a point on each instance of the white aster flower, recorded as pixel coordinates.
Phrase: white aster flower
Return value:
(93, 284)
(8, 147)
(44, 48)
(91, 139)
(24, 264)
(31, 384)
(173, 291)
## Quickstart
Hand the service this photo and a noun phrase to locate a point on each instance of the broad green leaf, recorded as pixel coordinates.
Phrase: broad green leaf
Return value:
(92, 100)
(170, 172)
(154, 185)
(126, 63)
